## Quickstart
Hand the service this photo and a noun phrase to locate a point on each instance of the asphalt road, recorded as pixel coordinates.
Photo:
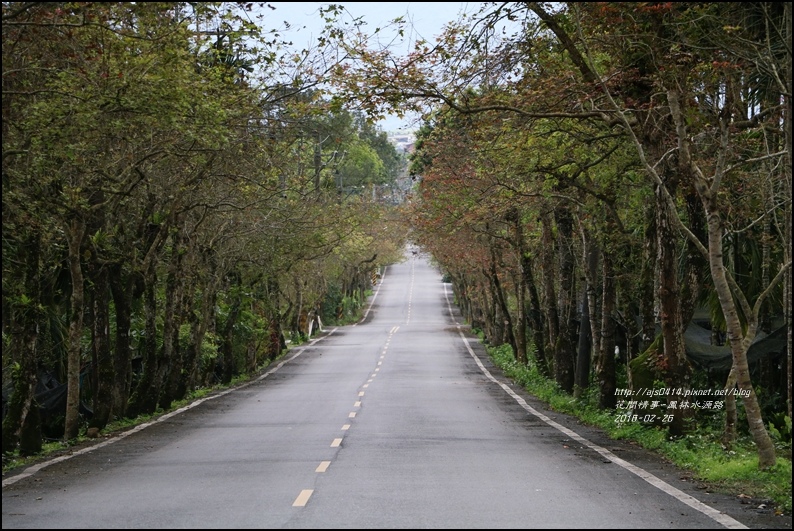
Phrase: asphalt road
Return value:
(400, 421)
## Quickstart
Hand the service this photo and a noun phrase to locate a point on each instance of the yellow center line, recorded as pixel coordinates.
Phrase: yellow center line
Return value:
(302, 498)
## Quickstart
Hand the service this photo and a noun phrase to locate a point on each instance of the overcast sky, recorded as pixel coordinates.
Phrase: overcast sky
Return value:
(426, 18)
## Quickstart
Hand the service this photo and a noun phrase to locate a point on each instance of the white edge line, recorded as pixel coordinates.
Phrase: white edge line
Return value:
(681, 496)
(39, 466)
(375, 296)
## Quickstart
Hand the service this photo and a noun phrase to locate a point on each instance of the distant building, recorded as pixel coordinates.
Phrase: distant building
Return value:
(403, 142)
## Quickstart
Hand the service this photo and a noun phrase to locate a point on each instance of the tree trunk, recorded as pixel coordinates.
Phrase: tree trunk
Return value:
(521, 321)
(521, 318)
(696, 263)
(676, 370)
(549, 276)
(103, 389)
(739, 341)
(24, 378)
(122, 302)
(171, 357)
(564, 356)
(144, 398)
(201, 322)
(23, 339)
(75, 232)
(227, 346)
(606, 346)
(729, 432)
(499, 295)
(648, 295)
(787, 193)
(582, 377)
(22, 346)
(535, 314)
(590, 305)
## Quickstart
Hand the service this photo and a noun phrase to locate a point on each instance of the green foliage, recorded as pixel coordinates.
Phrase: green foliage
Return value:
(780, 430)
(361, 166)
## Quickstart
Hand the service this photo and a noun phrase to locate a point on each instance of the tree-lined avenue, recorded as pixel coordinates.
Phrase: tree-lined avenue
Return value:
(399, 421)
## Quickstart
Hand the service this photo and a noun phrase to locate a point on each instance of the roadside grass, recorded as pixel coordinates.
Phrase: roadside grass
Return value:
(700, 452)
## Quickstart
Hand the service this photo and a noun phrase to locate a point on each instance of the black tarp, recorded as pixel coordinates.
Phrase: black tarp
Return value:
(699, 349)
(50, 395)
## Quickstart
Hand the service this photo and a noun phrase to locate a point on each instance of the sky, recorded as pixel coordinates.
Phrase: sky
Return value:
(426, 18)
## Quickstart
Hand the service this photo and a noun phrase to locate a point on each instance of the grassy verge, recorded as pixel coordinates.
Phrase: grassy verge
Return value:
(700, 452)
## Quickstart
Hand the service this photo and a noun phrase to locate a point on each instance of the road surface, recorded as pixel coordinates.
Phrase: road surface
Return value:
(399, 421)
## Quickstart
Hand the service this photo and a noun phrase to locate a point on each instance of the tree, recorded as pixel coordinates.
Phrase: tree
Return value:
(144, 159)
(651, 75)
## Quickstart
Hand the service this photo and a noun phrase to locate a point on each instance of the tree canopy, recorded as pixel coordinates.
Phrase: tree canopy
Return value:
(183, 192)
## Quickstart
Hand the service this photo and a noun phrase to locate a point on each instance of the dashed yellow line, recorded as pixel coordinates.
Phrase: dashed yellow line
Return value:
(303, 498)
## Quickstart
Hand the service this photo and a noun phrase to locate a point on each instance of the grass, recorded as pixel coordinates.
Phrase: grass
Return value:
(700, 452)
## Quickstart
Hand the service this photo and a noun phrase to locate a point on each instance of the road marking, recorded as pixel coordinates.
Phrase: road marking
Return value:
(681, 496)
(375, 296)
(323, 466)
(303, 498)
(352, 414)
(345, 427)
(336, 443)
(361, 393)
(357, 404)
